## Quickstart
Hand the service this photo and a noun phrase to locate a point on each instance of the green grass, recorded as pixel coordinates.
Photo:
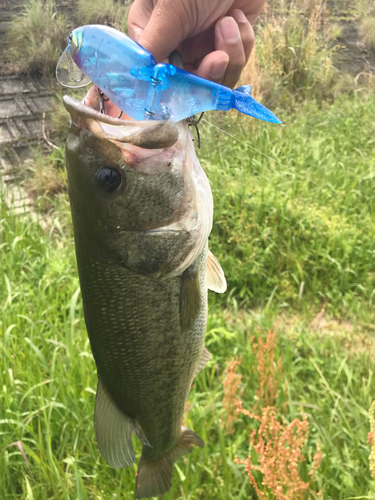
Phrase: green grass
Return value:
(299, 240)
(36, 38)
(37, 34)
(48, 381)
(273, 230)
(110, 12)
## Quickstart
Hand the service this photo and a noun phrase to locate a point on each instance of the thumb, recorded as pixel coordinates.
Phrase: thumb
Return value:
(167, 28)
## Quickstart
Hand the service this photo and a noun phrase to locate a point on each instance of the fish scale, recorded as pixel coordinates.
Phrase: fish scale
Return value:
(151, 340)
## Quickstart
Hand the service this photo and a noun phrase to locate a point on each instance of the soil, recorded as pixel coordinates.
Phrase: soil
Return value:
(354, 57)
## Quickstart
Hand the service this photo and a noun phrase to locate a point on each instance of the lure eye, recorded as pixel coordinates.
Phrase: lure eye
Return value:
(70, 38)
(109, 179)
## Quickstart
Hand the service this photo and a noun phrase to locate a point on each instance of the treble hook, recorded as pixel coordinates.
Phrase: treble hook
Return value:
(102, 101)
(193, 122)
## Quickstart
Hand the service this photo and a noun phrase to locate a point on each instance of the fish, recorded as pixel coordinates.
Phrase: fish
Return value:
(128, 74)
(142, 213)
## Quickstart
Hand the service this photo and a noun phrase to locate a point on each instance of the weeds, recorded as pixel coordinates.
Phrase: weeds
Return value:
(371, 439)
(232, 394)
(278, 446)
(267, 371)
(279, 237)
(294, 57)
(48, 177)
(48, 381)
(36, 37)
(367, 32)
(110, 12)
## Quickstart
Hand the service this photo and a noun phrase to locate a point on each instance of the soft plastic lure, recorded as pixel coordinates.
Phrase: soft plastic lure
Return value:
(128, 74)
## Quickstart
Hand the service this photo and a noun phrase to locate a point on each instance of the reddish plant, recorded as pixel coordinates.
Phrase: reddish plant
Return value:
(267, 370)
(278, 445)
(279, 448)
(232, 394)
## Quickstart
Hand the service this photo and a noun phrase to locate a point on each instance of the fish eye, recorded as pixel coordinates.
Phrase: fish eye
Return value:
(108, 178)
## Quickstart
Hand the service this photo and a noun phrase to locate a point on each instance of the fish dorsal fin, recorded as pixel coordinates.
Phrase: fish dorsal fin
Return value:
(113, 431)
(204, 359)
(215, 275)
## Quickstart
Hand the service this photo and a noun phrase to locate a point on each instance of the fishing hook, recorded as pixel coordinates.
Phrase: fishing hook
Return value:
(193, 122)
(102, 100)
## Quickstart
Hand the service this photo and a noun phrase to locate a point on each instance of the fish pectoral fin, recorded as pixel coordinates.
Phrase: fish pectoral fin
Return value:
(215, 275)
(113, 431)
(203, 360)
(190, 297)
(154, 477)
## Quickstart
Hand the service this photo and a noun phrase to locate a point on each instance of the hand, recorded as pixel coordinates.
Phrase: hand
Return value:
(214, 37)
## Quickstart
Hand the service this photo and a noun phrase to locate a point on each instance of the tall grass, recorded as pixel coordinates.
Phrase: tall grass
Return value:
(367, 32)
(110, 12)
(48, 383)
(371, 439)
(36, 37)
(301, 232)
(294, 55)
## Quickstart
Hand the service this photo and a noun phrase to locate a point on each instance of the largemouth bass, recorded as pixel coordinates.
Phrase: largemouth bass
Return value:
(142, 213)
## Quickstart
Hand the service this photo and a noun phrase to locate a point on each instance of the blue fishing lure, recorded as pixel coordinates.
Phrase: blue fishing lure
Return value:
(128, 74)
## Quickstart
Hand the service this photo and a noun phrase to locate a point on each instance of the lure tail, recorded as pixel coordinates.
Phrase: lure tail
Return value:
(246, 104)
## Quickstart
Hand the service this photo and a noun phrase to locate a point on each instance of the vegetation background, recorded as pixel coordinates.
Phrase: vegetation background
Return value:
(284, 404)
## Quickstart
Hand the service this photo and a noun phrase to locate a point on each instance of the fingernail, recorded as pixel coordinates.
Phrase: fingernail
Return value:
(219, 68)
(229, 30)
(239, 16)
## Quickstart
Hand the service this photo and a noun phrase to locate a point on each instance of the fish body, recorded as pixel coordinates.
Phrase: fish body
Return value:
(128, 74)
(142, 216)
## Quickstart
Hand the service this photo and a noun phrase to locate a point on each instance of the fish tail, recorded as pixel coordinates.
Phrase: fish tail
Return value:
(154, 477)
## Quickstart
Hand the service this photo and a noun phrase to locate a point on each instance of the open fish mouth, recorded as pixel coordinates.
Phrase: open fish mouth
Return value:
(147, 134)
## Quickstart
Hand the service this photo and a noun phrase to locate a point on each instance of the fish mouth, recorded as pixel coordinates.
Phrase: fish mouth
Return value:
(147, 134)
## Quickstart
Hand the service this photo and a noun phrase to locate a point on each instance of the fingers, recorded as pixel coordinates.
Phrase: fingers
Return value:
(234, 37)
(252, 9)
(213, 66)
(246, 32)
(162, 28)
(139, 15)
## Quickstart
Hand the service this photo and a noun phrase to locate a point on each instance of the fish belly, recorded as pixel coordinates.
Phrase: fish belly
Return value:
(145, 355)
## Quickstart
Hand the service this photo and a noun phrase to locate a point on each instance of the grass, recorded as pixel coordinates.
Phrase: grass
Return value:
(273, 230)
(367, 32)
(46, 177)
(48, 382)
(36, 38)
(298, 240)
(37, 35)
(294, 55)
(110, 12)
